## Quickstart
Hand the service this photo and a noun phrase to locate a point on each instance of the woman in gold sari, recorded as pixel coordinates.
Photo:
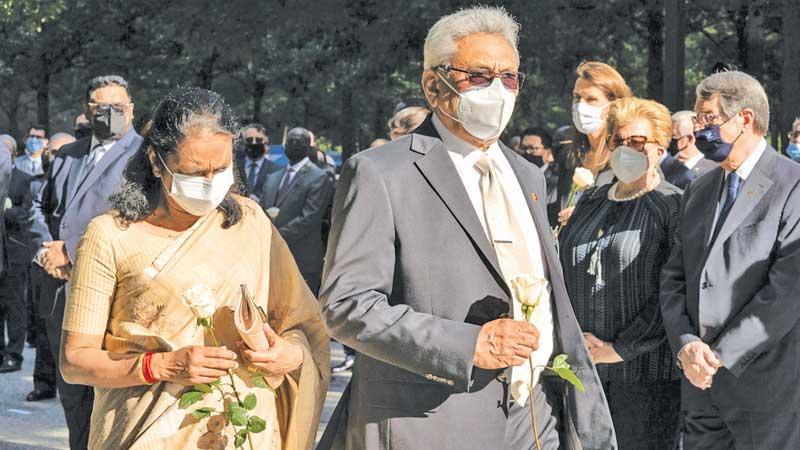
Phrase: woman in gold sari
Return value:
(163, 381)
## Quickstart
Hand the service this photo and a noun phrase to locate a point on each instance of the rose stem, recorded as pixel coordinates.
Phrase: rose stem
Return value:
(533, 414)
(233, 386)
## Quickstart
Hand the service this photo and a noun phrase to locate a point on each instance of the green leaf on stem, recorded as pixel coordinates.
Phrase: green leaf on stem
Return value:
(564, 371)
(259, 381)
(241, 437)
(250, 402)
(256, 424)
(204, 388)
(189, 398)
(215, 383)
(205, 322)
(202, 413)
(237, 415)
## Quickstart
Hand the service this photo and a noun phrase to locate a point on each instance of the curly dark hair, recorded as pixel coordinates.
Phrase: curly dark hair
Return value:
(184, 110)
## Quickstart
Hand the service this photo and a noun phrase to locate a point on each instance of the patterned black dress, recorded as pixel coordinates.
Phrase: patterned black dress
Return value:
(612, 253)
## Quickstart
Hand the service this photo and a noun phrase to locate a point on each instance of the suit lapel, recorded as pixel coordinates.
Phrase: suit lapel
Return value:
(271, 187)
(74, 173)
(297, 177)
(753, 190)
(88, 180)
(710, 190)
(438, 169)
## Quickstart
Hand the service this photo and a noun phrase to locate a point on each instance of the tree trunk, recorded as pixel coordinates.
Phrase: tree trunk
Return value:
(790, 75)
(739, 18)
(43, 97)
(754, 42)
(258, 96)
(206, 73)
(348, 122)
(655, 47)
(674, 55)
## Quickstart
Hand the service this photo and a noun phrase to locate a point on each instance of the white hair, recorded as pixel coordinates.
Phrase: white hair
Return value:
(440, 45)
(685, 122)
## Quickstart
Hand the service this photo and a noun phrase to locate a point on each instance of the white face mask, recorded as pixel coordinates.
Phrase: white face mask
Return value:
(484, 112)
(587, 118)
(627, 164)
(199, 196)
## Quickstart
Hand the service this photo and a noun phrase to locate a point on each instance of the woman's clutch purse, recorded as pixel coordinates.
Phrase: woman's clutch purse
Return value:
(249, 320)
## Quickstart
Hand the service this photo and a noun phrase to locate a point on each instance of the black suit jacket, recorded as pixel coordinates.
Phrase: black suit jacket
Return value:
(5, 181)
(675, 172)
(301, 213)
(741, 295)
(267, 167)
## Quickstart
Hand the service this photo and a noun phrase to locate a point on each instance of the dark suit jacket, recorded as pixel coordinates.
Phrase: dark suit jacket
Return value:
(705, 165)
(5, 181)
(301, 212)
(741, 295)
(267, 167)
(675, 172)
(410, 277)
(22, 190)
(68, 201)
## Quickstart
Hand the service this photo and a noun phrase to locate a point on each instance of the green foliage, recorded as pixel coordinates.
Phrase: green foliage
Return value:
(202, 413)
(189, 398)
(250, 401)
(241, 437)
(256, 425)
(562, 368)
(237, 414)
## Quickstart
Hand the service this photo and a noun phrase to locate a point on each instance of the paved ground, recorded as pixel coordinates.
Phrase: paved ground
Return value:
(40, 425)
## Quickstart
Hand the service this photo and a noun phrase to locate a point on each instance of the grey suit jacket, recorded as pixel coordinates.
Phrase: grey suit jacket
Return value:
(68, 201)
(301, 211)
(6, 166)
(741, 295)
(410, 277)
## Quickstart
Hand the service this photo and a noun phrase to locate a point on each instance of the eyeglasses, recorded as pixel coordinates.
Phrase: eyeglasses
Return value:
(794, 134)
(118, 107)
(531, 148)
(484, 77)
(705, 119)
(635, 142)
(254, 141)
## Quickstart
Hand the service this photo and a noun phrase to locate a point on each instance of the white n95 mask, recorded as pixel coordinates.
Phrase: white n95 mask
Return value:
(483, 112)
(628, 164)
(199, 196)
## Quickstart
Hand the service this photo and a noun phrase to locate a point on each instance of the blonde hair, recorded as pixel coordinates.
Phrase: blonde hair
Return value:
(626, 110)
(606, 78)
(407, 120)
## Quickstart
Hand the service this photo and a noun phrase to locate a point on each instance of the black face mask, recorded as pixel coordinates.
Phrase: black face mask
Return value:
(673, 147)
(108, 124)
(295, 153)
(83, 130)
(535, 159)
(254, 151)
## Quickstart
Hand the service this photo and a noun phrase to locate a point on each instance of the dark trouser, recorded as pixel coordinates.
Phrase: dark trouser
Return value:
(42, 285)
(76, 399)
(519, 428)
(645, 415)
(12, 294)
(716, 429)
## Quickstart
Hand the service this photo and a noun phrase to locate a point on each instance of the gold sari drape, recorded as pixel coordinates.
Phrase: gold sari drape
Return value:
(144, 312)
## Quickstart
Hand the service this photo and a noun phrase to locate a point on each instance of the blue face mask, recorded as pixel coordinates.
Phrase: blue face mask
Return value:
(709, 142)
(33, 145)
(793, 151)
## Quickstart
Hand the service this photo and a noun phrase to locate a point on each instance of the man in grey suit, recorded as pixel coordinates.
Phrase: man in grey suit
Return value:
(296, 198)
(76, 189)
(730, 291)
(684, 144)
(429, 234)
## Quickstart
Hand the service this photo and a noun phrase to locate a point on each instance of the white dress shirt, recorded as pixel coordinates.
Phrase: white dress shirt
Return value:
(99, 149)
(464, 157)
(693, 161)
(29, 164)
(290, 174)
(743, 171)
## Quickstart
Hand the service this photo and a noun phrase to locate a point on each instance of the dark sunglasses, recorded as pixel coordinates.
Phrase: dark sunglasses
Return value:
(484, 77)
(635, 142)
(254, 141)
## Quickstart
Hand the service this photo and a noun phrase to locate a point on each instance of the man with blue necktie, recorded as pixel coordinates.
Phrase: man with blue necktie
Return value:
(730, 292)
(255, 164)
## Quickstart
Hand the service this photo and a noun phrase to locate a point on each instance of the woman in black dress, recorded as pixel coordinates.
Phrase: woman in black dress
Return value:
(612, 250)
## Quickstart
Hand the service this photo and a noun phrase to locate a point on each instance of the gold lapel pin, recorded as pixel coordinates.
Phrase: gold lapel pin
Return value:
(534, 197)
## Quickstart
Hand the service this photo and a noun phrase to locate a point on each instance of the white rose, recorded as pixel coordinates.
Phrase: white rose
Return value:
(200, 299)
(582, 179)
(272, 212)
(529, 290)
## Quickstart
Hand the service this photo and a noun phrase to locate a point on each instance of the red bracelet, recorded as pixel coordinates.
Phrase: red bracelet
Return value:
(147, 371)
